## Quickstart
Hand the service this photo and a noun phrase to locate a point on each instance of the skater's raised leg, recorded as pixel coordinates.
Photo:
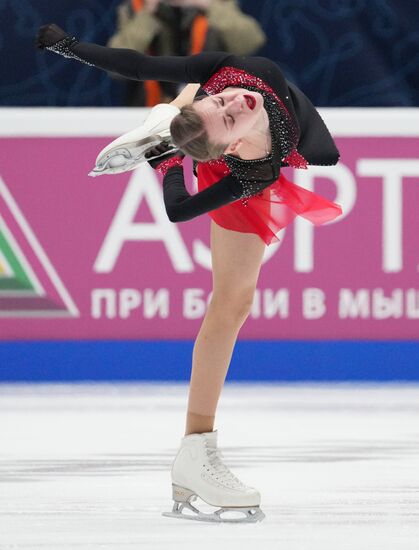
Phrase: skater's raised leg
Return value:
(236, 262)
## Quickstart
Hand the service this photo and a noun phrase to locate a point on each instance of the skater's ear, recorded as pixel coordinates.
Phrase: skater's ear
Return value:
(232, 148)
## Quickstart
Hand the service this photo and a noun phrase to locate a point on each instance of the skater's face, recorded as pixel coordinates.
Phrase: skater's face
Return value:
(230, 115)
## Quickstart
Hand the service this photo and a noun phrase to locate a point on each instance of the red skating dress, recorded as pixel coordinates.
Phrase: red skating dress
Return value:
(299, 138)
(276, 206)
(270, 210)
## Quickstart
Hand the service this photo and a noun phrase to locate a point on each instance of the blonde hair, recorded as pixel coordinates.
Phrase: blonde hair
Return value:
(189, 134)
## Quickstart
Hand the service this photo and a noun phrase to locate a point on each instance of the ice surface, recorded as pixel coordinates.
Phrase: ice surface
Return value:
(87, 467)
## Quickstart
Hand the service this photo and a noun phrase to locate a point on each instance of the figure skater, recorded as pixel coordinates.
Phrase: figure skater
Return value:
(241, 121)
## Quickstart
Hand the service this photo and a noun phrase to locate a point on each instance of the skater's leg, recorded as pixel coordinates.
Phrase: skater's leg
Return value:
(236, 261)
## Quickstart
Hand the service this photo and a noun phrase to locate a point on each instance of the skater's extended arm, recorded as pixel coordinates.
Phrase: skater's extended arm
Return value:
(130, 63)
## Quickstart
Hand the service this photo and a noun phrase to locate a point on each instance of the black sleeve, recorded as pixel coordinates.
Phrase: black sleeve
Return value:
(138, 66)
(316, 143)
(181, 206)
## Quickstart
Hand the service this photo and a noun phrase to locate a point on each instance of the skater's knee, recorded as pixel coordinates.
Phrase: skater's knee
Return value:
(233, 305)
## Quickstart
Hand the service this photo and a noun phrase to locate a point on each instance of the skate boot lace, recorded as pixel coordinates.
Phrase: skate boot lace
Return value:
(223, 473)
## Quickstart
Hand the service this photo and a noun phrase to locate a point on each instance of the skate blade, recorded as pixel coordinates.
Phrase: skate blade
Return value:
(252, 515)
(127, 157)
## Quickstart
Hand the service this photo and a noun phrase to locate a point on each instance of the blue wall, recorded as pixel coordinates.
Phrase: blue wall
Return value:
(252, 360)
(346, 52)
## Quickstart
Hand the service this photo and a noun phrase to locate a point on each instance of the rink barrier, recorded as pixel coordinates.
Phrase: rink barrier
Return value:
(113, 267)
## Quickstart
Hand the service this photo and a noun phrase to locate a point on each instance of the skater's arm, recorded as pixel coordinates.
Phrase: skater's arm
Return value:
(138, 66)
(130, 63)
(181, 206)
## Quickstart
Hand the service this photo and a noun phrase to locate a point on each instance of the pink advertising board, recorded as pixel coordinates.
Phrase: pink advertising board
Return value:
(97, 258)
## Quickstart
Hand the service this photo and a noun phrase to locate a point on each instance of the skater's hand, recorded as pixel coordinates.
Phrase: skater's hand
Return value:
(161, 152)
(48, 35)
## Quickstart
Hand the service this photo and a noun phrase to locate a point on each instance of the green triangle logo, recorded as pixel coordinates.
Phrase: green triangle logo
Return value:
(14, 275)
(29, 283)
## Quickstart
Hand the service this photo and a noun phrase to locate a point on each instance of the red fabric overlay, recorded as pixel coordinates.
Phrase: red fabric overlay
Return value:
(269, 211)
(164, 166)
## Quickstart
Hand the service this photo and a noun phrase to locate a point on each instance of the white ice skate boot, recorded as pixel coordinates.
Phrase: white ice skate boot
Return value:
(199, 472)
(126, 152)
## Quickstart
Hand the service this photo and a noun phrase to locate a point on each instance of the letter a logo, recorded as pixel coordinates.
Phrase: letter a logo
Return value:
(29, 284)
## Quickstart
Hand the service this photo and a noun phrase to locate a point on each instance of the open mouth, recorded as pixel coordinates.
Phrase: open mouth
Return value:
(251, 102)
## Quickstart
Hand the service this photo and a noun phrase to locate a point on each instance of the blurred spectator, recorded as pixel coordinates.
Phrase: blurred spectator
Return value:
(181, 27)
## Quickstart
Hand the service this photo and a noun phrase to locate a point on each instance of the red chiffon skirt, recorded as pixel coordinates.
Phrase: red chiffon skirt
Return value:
(271, 210)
